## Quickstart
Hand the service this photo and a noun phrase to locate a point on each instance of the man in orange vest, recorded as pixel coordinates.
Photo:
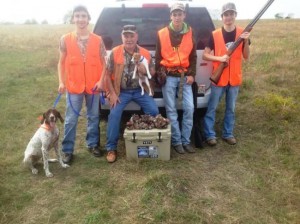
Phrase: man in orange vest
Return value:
(80, 68)
(122, 88)
(176, 55)
(231, 78)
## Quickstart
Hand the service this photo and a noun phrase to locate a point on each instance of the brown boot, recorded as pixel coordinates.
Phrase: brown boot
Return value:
(212, 142)
(111, 156)
(230, 141)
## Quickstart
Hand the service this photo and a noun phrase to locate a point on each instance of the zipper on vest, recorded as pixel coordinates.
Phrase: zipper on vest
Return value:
(84, 76)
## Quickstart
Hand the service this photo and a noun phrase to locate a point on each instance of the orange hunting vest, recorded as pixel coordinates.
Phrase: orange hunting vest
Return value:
(119, 62)
(82, 76)
(232, 74)
(172, 57)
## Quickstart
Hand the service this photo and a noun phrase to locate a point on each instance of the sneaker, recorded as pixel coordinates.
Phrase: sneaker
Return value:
(111, 156)
(230, 141)
(188, 148)
(68, 158)
(211, 142)
(179, 149)
(96, 151)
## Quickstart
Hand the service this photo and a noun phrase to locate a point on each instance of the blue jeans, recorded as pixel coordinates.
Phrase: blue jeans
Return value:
(71, 120)
(169, 91)
(229, 118)
(147, 104)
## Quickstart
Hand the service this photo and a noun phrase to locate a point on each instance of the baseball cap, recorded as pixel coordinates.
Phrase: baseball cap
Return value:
(228, 7)
(129, 29)
(177, 6)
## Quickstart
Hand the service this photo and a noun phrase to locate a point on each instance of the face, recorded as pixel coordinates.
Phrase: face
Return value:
(81, 19)
(228, 17)
(129, 41)
(177, 18)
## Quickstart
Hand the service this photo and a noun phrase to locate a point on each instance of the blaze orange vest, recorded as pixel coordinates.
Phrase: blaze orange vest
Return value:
(119, 62)
(232, 74)
(82, 76)
(172, 57)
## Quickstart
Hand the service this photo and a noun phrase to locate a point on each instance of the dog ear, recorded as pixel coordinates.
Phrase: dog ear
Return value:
(60, 117)
(42, 118)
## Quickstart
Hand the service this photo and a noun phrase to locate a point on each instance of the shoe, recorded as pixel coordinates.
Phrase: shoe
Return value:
(230, 141)
(212, 142)
(179, 149)
(188, 148)
(68, 158)
(96, 151)
(111, 156)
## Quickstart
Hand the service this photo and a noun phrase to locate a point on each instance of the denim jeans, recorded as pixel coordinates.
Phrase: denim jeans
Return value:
(229, 118)
(147, 104)
(170, 90)
(74, 105)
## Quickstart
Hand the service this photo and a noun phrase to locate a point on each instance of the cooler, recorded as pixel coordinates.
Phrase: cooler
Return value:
(153, 144)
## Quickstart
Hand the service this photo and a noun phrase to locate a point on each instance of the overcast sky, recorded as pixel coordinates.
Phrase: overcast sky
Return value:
(18, 11)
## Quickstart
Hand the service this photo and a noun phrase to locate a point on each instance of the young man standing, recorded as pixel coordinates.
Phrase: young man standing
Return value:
(231, 78)
(176, 55)
(122, 88)
(80, 68)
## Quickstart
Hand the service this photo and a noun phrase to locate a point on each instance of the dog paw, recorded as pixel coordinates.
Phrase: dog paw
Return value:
(49, 174)
(65, 165)
(34, 171)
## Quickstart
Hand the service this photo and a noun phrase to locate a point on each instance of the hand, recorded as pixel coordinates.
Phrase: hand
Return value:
(61, 88)
(189, 80)
(113, 100)
(224, 58)
(97, 87)
(245, 36)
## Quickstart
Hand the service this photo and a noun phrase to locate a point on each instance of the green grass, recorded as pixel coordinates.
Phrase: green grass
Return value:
(256, 181)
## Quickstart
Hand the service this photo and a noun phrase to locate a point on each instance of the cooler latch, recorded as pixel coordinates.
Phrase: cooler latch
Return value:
(133, 137)
(159, 139)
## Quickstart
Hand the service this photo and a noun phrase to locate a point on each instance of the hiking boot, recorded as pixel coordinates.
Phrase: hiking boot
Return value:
(179, 149)
(230, 141)
(188, 148)
(95, 151)
(111, 156)
(212, 142)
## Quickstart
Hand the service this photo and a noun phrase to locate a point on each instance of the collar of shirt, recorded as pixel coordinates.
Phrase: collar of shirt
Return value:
(184, 30)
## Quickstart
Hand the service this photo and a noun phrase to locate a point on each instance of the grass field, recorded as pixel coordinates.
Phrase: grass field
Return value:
(256, 181)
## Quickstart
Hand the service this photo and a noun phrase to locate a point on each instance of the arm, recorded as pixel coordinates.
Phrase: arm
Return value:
(193, 62)
(246, 49)
(208, 56)
(112, 96)
(61, 72)
(100, 85)
(158, 56)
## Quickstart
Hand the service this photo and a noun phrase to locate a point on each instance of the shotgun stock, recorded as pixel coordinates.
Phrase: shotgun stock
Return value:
(215, 77)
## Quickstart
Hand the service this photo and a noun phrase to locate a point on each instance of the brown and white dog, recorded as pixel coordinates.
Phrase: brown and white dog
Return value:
(45, 138)
(143, 78)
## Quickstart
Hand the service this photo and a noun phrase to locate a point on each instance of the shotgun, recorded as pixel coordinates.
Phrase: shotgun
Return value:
(215, 77)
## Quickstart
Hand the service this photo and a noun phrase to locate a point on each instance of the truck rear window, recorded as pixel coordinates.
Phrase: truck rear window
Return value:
(148, 21)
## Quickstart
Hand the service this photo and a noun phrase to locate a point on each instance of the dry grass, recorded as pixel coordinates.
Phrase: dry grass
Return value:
(256, 181)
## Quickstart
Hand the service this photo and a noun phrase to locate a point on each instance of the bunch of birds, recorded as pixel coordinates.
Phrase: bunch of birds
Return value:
(147, 122)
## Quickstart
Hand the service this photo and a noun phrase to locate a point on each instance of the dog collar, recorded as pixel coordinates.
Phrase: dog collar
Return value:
(47, 127)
